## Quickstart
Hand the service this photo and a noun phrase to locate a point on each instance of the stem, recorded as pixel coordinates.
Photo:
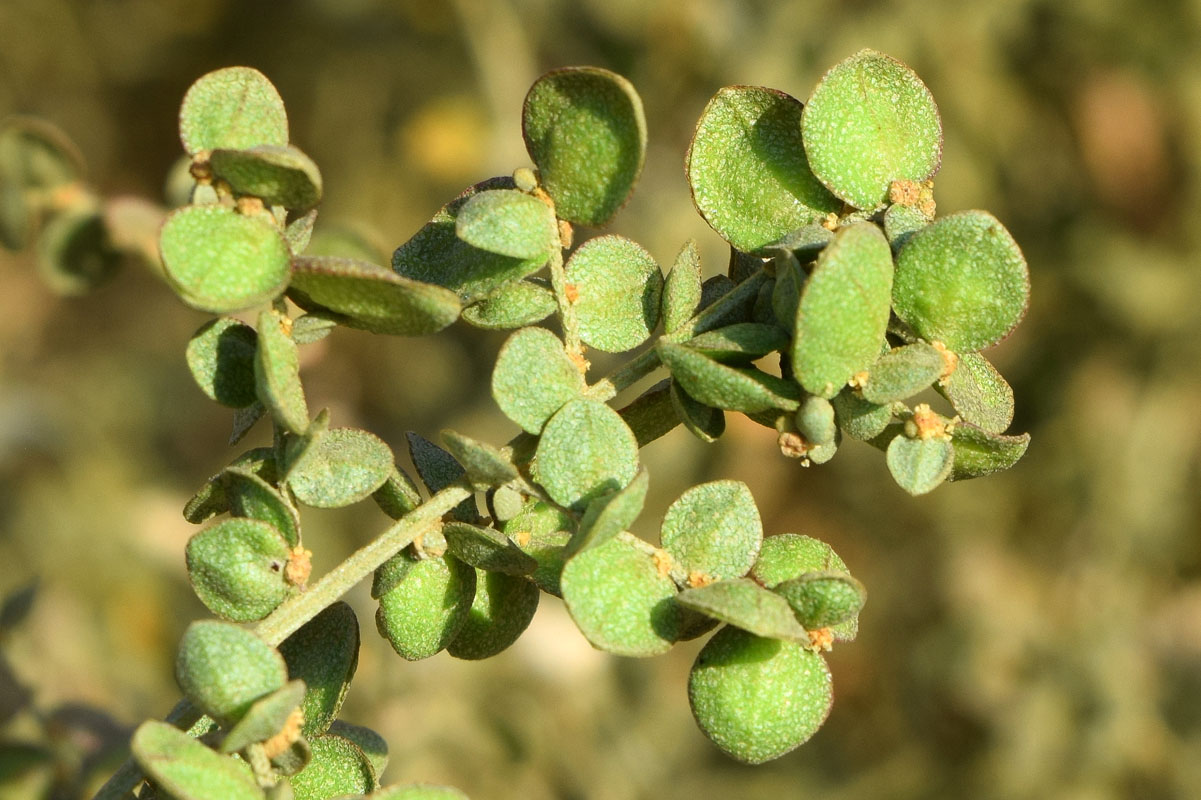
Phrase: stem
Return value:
(571, 324)
(298, 610)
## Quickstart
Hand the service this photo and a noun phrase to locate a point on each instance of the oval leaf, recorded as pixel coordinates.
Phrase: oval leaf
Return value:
(858, 418)
(502, 609)
(324, 653)
(534, 357)
(221, 358)
(277, 374)
(746, 390)
(844, 310)
(508, 222)
(902, 372)
(237, 569)
(979, 394)
(371, 297)
(218, 260)
(758, 698)
(345, 466)
(920, 465)
(223, 669)
(235, 107)
(486, 549)
(747, 168)
(962, 281)
(823, 599)
(266, 718)
(871, 121)
(185, 768)
(745, 604)
(610, 514)
(585, 450)
(787, 556)
(979, 453)
(484, 464)
(281, 176)
(585, 130)
(337, 767)
(513, 305)
(617, 290)
(620, 601)
(426, 605)
(251, 496)
(713, 531)
(682, 288)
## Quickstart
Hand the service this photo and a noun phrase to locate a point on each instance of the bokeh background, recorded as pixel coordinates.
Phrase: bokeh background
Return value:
(1035, 634)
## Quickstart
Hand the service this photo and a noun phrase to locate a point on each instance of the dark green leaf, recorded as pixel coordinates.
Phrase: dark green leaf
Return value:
(858, 418)
(251, 496)
(221, 358)
(437, 470)
(503, 607)
(266, 718)
(426, 604)
(338, 766)
(277, 374)
(324, 653)
(610, 514)
(398, 495)
(371, 743)
(704, 422)
(484, 464)
(979, 394)
(486, 549)
(979, 453)
(740, 343)
(652, 414)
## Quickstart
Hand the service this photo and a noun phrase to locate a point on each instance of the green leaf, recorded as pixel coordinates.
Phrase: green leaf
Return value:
(437, 470)
(502, 609)
(730, 388)
(704, 422)
(266, 718)
(251, 496)
(338, 767)
(652, 414)
(75, 254)
(508, 222)
(682, 288)
(585, 450)
(223, 668)
(859, 418)
(610, 514)
(823, 599)
(220, 261)
(514, 305)
(979, 394)
(437, 255)
(292, 448)
(758, 698)
(484, 464)
(920, 465)
(620, 601)
(747, 169)
(787, 556)
(426, 605)
(371, 297)
(713, 530)
(786, 291)
(815, 421)
(344, 466)
(277, 374)
(740, 343)
(299, 232)
(324, 653)
(900, 223)
(844, 310)
(585, 130)
(280, 175)
(185, 769)
(210, 500)
(221, 358)
(871, 121)
(902, 372)
(542, 531)
(371, 743)
(745, 604)
(617, 286)
(236, 108)
(398, 495)
(486, 549)
(534, 357)
(979, 453)
(962, 281)
(805, 243)
(237, 569)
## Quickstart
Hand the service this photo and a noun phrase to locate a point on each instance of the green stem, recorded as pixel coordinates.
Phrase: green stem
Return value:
(298, 610)
(567, 315)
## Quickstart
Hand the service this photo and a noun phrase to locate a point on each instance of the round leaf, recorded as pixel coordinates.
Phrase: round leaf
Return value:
(75, 254)
(871, 121)
(585, 130)
(714, 530)
(281, 176)
(585, 450)
(787, 556)
(534, 357)
(221, 261)
(858, 418)
(370, 297)
(437, 255)
(747, 168)
(617, 290)
(844, 310)
(337, 767)
(745, 604)
(823, 599)
(221, 358)
(962, 281)
(920, 465)
(426, 605)
(902, 372)
(237, 568)
(620, 601)
(344, 466)
(188, 770)
(508, 222)
(758, 698)
(223, 668)
(324, 653)
(502, 609)
(371, 743)
(235, 107)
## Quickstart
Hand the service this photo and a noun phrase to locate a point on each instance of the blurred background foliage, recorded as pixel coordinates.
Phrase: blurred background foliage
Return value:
(1035, 634)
